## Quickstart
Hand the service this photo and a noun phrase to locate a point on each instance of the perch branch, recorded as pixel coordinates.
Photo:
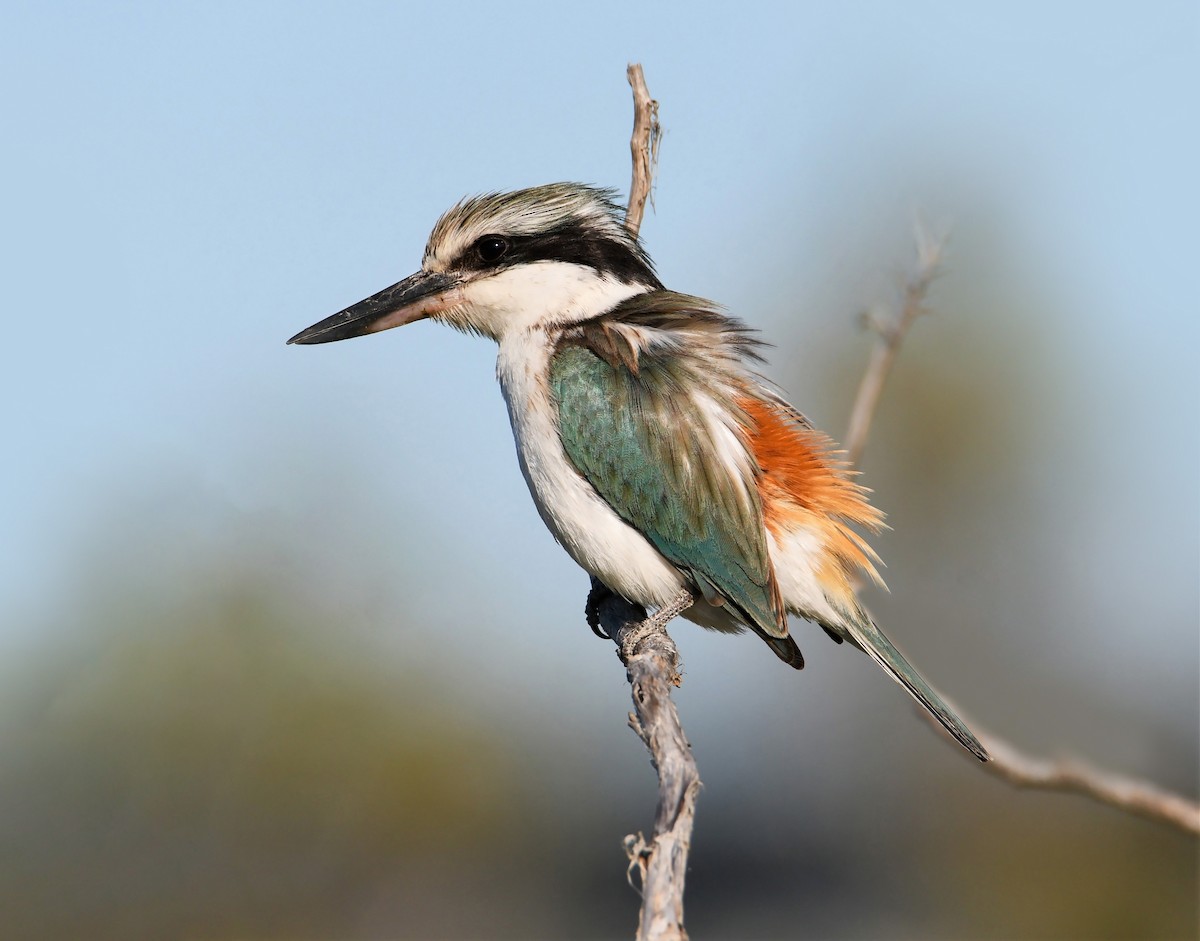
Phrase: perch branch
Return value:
(652, 667)
(659, 865)
(1131, 795)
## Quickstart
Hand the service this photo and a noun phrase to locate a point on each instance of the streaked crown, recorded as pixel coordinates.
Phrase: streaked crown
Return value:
(566, 222)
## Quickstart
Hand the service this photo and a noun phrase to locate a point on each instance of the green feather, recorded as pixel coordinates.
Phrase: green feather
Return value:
(637, 436)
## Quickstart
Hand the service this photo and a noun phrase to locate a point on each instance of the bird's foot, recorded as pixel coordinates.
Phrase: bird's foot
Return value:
(596, 597)
(656, 622)
(673, 608)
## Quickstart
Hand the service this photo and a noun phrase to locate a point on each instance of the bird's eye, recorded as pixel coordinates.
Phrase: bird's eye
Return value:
(491, 248)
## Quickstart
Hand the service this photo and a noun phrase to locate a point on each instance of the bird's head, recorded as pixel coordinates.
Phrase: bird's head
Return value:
(506, 262)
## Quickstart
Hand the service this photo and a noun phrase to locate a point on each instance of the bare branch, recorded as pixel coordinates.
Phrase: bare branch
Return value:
(891, 335)
(643, 146)
(1133, 795)
(1129, 794)
(651, 658)
(652, 667)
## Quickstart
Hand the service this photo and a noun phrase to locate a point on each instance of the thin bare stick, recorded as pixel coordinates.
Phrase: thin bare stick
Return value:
(652, 667)
(1129, 794)
(891, 335)
(652, 660)
(643, 145)
(1132, 795)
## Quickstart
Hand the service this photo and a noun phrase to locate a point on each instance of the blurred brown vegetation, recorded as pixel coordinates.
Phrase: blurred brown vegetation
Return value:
(226, 764)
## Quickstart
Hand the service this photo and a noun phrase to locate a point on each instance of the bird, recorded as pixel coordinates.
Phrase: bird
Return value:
(657, 455)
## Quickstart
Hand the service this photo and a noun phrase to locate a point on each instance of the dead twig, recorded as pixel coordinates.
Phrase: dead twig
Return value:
(891, 334)
(643, 145)
(652, 667)
(1132, 795)
(652, 660)
(1129, 794)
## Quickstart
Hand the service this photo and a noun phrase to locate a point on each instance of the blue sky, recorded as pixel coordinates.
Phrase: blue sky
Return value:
(185, 186)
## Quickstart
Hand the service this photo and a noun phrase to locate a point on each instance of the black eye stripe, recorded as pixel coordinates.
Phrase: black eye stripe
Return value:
(572, 244)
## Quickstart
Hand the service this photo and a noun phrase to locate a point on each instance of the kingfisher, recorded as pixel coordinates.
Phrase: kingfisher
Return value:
(658, 457)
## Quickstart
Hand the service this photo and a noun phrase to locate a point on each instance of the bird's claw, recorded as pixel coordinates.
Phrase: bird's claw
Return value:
(656, 622)
(598, 594)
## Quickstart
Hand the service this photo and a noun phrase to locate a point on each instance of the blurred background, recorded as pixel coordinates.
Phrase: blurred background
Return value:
(285, 651)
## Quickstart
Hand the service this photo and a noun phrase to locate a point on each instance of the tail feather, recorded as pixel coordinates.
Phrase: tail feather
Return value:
(874, 643)
(785, 648)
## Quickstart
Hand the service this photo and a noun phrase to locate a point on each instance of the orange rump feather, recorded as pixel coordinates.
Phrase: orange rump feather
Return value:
(804, 485)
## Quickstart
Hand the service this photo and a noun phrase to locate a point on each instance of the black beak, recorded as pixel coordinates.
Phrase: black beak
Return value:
(416, 297)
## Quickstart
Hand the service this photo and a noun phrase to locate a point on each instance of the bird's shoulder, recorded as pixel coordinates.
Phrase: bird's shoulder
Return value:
(661, 326)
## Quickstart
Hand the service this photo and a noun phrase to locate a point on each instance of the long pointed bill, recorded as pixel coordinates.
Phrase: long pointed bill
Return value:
(416, 297)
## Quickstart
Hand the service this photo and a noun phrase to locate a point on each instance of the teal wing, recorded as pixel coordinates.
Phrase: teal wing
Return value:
(636, 434)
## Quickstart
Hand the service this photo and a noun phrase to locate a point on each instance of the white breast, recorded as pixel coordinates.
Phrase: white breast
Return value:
(580, 519)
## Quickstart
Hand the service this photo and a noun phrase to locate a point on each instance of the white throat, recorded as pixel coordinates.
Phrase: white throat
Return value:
(580, 519)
